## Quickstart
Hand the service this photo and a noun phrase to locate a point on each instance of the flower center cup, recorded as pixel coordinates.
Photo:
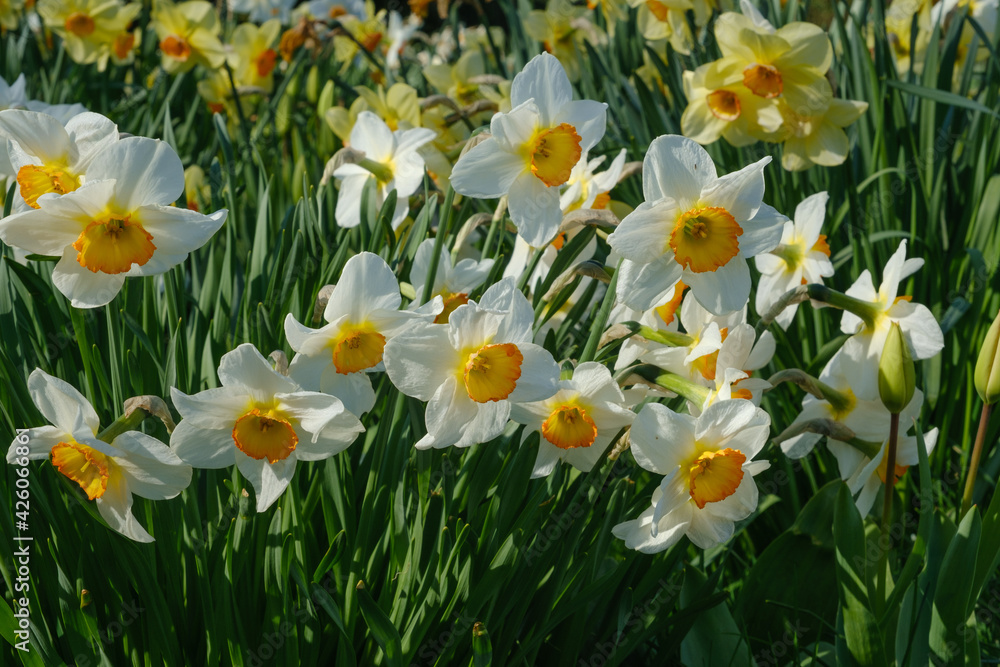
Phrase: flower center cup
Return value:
(34, 181)
(715, 476)
(84, 465)
(569, 427)
(724, 104)
(451, 302)
(113, 245)
(763, 80)
(703, 239)
(492, 372)
(357, 348)
(265, 434)
(554, 153)
(667, 311)
(176, 47)
(80, 24)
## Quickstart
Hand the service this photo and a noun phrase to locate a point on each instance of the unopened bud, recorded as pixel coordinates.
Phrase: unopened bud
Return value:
(987, 376)
(896, 382)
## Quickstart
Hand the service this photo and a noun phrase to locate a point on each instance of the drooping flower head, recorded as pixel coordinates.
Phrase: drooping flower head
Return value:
(109, 473)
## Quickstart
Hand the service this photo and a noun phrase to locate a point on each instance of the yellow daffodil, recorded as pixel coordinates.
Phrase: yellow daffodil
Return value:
(819, 138)
(399, 107)
(89, 28)
(188, 34)
(255, 52)
(10, 13)
(562, 28)
(732, 111)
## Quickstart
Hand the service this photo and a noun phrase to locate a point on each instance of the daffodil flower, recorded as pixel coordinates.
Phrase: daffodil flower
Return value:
(861, 352)
(789, 63)
(118, 224)
(362, 314)
(695, 227)
(471, 369)
(533, 149)
(708, 473)
(260, 420)
(802, 257)
(88, 28)
(865, 475)
(719, 108)
(48, 157)
(188, 34)
(818, 137)
(868, 419)
(254, 54)
(577, 423)
(587, 189)
(392, 158)
(452, 283)
(109, 473)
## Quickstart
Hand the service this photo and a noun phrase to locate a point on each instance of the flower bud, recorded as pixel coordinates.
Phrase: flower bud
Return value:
(896, 382)
(987, 376)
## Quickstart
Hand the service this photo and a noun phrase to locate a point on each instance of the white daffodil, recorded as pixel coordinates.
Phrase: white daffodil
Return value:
(864, 475)
(362, 314)
(802, 257)
(588, 189)
(861, 352)
(533, 149)
(390, 157)
(118, 224)
(471, 369)
(109, 473)
(399, 32)
(707, 334)
(452, 283)
(694, 226)
(260, 420)
(48, 157)
(868, 419)
(708, 473)
(578, 422)
(740, 354)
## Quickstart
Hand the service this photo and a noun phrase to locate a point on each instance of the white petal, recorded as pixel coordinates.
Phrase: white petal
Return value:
(661, 438)
(366, 284)
(588, 117)
(204, 447)
(544, 80)
(176, 232)
(740, 192)
(539, 374)
(269, 480)
(85, 288)
(115, 505)
(534, 209)
(486, 171)
(246, 369)
(644, 286)
(642, 235)
(676, 167)
(152, 469)
(61, 403)
(724, 290)
(147, 171)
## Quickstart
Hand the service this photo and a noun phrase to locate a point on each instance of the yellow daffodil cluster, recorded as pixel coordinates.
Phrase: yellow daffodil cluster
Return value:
(770, 85)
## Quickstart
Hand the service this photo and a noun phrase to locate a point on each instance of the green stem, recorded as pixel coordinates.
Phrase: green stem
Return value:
(129, 422)
(890, 483)
(601, 321)
(447, 212)
(977, 452)
(673, 382)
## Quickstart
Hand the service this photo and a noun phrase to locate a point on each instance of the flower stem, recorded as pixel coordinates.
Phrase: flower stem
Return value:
(890, 484)
(977, 452)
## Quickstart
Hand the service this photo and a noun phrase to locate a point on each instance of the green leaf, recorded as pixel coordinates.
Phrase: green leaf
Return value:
(863, 638)
(383, 630)
(949, 641)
